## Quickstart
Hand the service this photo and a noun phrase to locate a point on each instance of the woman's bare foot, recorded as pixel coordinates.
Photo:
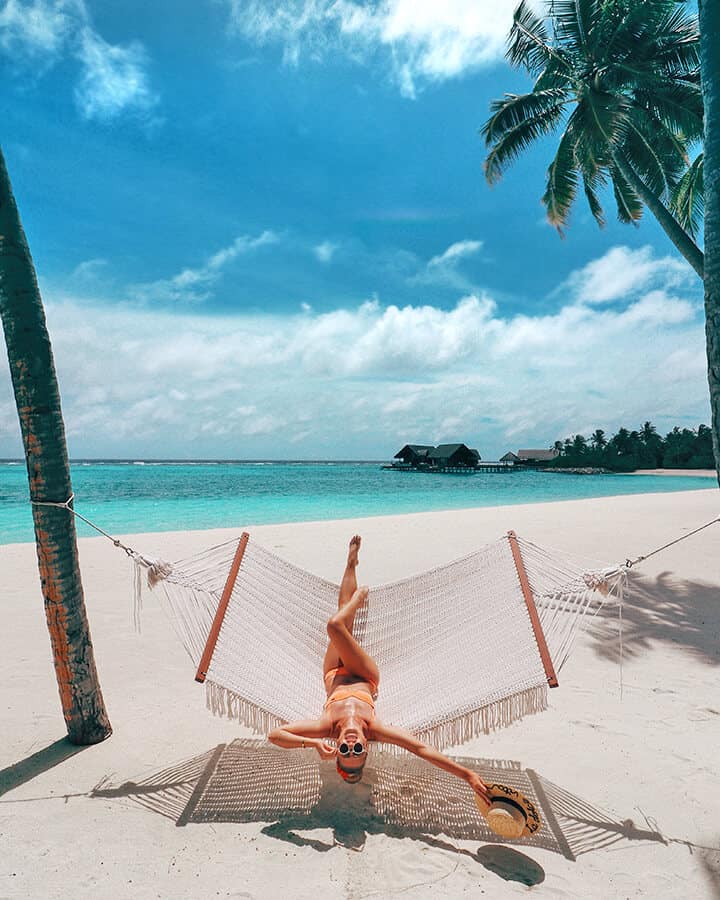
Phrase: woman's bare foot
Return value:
(355, 542)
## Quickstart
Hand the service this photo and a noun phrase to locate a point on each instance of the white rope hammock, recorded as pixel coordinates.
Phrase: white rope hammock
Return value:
(457, 648)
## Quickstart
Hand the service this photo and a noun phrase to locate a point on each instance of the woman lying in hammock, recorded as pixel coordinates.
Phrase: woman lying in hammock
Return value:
(351, 681)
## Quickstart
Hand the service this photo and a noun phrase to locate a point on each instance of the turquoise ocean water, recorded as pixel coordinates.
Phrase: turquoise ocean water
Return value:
(127, 497)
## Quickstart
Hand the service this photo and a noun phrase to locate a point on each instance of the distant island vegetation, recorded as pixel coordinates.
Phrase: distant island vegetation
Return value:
(625, 451)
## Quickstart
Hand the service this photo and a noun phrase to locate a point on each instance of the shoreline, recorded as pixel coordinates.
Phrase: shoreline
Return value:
(128, 795)
(690, 473)
(448, 511)
(466, 529)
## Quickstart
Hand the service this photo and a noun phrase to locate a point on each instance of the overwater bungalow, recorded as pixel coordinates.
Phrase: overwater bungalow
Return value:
(444, 458)
(453, 456)
(529, 457)
(537, 457)
(412, 455)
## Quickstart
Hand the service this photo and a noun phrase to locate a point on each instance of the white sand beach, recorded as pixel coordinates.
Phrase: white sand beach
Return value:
(630, 786)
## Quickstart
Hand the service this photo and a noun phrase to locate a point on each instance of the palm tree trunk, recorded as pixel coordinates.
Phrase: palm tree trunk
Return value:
(710, 63)
(677, 234)
(38, 403)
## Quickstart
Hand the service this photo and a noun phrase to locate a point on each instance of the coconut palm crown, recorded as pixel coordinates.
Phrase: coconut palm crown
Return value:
(619, 80)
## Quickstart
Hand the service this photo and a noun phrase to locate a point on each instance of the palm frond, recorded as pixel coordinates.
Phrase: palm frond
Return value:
(629, 205)
(654, 35)
(562, 181)
(514, 109)
(654, 152)
(691, 77)
(688, 199)
(678, 40)
(650, 17)
(512, 143)
(594, 202)
(529, 44)
(575, 24)
(618, 31)
(678, 106)
(676, 100)
(600, 123)
(557, 74)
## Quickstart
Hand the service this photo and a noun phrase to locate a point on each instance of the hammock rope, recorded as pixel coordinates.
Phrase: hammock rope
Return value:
(631, 562)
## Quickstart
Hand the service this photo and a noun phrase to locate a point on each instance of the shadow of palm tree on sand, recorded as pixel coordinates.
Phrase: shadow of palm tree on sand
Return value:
(677, 611)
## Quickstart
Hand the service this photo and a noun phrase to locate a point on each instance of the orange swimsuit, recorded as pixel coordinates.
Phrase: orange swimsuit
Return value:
(344, 691)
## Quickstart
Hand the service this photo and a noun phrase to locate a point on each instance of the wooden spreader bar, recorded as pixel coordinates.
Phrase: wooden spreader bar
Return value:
(532, 610)
(202, 671)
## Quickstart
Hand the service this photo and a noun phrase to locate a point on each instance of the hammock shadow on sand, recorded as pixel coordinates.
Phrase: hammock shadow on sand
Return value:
(680, 612)
(400, 796)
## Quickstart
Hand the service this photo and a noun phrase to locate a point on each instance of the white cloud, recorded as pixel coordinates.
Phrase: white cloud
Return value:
(422, 40)
(89, 269)
(194, 285)
(113, 78)
(444, 269)
(349, 381)
(622, 272)
(325, 251)
(456, 252)
(38, 28)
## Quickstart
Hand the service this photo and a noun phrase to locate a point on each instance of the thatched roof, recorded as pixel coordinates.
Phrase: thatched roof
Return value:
(445, 451)
(540, 455)
(413, 449)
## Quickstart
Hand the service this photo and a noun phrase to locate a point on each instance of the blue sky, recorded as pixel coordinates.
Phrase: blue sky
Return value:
(262, 230)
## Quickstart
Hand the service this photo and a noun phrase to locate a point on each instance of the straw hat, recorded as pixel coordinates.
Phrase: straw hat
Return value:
(511, 814)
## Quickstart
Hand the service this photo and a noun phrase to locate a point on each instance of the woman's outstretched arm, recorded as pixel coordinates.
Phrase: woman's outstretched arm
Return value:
(401, 738)
(307, 733)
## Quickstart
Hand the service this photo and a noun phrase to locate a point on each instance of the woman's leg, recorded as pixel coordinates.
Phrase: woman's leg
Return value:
(348, 586)
(354, 658)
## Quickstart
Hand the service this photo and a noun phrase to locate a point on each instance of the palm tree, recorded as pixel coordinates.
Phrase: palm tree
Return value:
(648, 433)
(710, 30)
(651, 445)
(622, 441)
(597, 439)
(579, 445)
(41, 424)
(620, 79)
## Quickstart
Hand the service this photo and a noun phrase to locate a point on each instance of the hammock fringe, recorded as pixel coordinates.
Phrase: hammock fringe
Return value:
(498, 714)
(137, 596)
(224, 702)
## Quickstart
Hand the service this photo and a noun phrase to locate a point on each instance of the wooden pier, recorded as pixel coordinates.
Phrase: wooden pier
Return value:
(498, 467)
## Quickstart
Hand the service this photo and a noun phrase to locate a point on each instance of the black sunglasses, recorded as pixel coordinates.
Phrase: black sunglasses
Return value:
(345, 749)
